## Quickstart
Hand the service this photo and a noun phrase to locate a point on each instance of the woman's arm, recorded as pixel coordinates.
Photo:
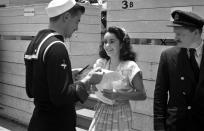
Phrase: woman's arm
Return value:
(138, 86)
(138, 93)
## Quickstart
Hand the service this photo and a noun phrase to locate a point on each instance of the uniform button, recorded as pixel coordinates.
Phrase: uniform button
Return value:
(189, 107)
(184, 93)
(182, 78)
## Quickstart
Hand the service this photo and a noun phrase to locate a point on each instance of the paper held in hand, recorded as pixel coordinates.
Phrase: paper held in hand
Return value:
(106, 83)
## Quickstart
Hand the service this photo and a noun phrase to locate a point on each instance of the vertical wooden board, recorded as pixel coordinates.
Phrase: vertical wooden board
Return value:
(20, 116)
(145, 67)
(148, 124)
(149, 70)
(143, 107)
(149, 88)
(138, 121)
(154, 69)
(142, 122)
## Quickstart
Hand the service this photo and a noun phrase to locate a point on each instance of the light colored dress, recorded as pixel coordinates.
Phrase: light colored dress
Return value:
(116, 117)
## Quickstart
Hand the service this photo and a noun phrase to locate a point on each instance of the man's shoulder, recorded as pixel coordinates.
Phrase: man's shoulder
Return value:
(172, 50)
(49, 33)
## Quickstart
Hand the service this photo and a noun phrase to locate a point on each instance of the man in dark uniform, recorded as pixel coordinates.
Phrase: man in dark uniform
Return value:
(179, 89)
(48, 71)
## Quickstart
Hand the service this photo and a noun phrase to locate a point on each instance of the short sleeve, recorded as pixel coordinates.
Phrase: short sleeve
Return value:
(99, 63)
(133, 70)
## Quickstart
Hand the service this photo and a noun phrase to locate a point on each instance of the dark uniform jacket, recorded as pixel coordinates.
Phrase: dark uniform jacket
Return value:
(49, 82)
(178, 98)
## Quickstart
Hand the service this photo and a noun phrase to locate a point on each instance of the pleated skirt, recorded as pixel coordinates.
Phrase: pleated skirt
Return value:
(112, 117)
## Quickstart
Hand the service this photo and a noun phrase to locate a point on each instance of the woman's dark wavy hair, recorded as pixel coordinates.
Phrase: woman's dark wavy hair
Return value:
(126, 52)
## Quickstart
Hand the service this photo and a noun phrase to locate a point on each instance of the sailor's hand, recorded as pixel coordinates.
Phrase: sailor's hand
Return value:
(75, 74)
(95, 76)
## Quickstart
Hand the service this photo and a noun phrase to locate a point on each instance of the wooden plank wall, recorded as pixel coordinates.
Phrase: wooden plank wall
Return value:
(148, 59)
(4, 2)
(14, 24)
(27, 2)
(148, 18)
(22, 2)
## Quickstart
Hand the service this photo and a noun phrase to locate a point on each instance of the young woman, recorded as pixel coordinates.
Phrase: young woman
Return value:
(116, 55)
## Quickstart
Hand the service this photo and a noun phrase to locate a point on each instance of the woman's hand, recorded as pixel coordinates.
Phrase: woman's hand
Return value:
(110, 94)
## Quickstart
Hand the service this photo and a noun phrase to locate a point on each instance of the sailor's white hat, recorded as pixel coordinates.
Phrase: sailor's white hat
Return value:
(57, 7)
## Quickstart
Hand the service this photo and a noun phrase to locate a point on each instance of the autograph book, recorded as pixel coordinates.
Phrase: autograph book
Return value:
(106, 83)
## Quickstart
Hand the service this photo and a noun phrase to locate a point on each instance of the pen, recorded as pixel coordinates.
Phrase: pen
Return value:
(83, 69)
